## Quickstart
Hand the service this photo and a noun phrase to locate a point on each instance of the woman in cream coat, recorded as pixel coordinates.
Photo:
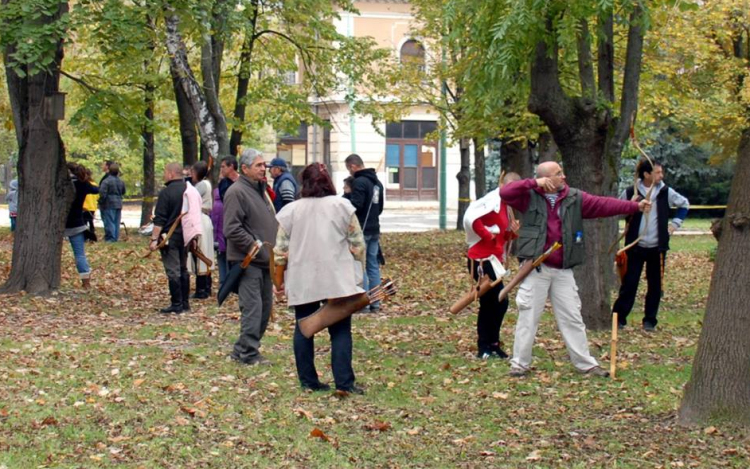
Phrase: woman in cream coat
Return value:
(321, 243)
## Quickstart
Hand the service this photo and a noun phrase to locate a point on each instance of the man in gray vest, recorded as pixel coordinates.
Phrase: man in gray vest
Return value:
(249, 216)
(554, 212)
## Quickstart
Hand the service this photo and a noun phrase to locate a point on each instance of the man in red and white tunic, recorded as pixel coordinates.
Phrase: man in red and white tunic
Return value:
(489, 230)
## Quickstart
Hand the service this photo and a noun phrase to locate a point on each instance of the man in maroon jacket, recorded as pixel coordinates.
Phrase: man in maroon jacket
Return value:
(554, 212)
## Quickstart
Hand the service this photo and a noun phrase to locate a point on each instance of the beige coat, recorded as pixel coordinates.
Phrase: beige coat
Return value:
(320, 265)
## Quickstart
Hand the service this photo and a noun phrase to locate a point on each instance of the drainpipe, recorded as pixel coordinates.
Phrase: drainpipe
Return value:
(443, 218)
(352, 122)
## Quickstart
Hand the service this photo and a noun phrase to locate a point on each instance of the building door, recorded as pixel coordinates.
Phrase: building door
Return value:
(411, 161)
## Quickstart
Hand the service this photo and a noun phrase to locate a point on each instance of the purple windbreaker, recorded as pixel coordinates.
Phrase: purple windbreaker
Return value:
(217, 218)
(517, 195)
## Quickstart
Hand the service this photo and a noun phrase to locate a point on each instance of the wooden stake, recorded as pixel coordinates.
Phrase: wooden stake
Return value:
(613, 348)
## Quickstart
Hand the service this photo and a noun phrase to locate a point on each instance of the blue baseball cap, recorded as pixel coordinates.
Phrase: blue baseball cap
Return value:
(277, 163)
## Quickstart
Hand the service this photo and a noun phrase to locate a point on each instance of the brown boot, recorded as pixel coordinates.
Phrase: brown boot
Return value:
(86, 283)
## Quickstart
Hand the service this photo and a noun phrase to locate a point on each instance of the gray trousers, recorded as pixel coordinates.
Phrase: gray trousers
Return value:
(256, 301)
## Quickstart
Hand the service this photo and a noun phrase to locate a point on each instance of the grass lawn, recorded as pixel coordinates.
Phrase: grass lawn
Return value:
(100, 379)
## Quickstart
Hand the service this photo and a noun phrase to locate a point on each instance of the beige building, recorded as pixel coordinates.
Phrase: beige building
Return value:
(407, 164)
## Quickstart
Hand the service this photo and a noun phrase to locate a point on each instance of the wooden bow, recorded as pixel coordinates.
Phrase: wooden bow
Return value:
(624, 249)
(165, 239)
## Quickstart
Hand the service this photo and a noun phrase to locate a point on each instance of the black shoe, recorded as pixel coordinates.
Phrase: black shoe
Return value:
(256, 360)
(185, 307)
(647, 327)
(174, 308)
(498, 352)
(317, 387)
(352, 390)
(621, 326)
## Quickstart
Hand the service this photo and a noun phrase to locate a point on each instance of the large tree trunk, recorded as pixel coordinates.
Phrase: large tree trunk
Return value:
(464, 182)
(480, 173)
(188, 134)
(243, 80)
(207, 111)
(720, 382)
(516, 158)
(590, 142)
(45, 190)
(212, 50)
(547, 148)
(148, 190)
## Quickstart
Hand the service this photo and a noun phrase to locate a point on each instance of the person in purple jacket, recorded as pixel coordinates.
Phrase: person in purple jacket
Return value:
(554, 212)
(220, 244)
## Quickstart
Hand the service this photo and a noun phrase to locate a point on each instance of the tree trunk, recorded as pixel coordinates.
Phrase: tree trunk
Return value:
(547, 148)
(243, 80)
(480, 174)
(516, 158)
(720, 382)
(590, 142)
(45, 190)
(211, 125)
(212, 50)
(188, 134)
(148, 190)
(464, 182)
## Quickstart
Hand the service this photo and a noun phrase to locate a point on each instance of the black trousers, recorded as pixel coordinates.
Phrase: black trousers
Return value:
(174, 258)
(341, 351)
(90, 234)
(491, 311)
(654, 260)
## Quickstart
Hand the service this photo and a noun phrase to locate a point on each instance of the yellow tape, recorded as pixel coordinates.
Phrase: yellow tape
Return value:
(462, 199)
(707, 207)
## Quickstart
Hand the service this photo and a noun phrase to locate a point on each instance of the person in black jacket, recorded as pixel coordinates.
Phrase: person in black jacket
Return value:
(174, 254)
(75, 225)
(367, 198)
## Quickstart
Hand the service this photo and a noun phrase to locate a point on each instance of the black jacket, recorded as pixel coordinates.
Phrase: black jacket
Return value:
(169, 206)
(75, 215)
(367, 191)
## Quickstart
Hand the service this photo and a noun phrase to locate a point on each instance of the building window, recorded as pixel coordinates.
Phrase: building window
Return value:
(412, 53)
(290, 78)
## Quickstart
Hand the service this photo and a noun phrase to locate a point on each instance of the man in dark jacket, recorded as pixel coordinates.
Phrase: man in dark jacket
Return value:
(653, 232)
(367, 198)
(249, 217)
(111, 192)
(174, 254)
(554, 212)
(284, 185)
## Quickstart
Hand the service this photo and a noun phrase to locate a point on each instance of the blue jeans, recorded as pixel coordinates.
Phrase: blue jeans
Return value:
(12, 223)
(341, 351)
(372, 269)
(77, 242)
(111, 219)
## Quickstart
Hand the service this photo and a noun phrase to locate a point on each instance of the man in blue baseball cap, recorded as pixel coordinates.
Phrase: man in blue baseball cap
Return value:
(284, 184)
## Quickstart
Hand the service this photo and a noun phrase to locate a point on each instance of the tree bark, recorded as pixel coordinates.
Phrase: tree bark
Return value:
(464, 182)
(212, 50)
(516, 158)
(719, 385)
(209, 117)
(188, 134)
(148, 190)
(45, 190)
(547, 148)
(590, 142)
(243, 79)
(480, 173)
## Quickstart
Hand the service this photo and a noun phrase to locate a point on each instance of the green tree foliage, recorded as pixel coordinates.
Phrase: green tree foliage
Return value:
(697, 70)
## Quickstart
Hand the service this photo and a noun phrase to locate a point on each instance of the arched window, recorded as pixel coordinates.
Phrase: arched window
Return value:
(412, 53)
